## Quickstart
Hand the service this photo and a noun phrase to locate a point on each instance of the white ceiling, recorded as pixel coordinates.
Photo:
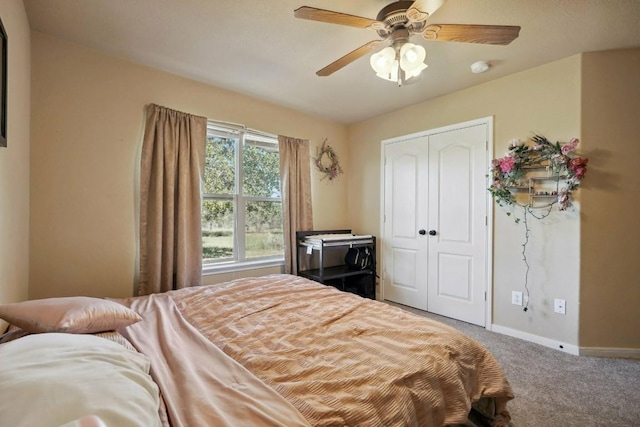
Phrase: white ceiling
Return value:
(259, 49)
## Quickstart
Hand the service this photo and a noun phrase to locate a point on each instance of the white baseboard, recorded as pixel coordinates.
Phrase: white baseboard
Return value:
(623, 353)
(567, 348)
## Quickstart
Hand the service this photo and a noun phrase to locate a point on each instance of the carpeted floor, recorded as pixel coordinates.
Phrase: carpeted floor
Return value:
(553, 388)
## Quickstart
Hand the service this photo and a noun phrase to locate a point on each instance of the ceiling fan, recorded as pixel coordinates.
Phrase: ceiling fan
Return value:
(395, 24)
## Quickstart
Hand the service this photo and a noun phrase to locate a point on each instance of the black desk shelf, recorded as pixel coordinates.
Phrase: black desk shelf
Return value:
(362, 282)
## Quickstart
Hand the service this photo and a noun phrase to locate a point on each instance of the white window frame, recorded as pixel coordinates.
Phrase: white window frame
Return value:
(239, 200)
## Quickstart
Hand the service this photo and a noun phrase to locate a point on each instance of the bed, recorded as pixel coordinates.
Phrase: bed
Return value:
(276, 350)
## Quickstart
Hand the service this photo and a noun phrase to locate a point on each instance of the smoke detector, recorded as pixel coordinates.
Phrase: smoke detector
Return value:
(479, 67)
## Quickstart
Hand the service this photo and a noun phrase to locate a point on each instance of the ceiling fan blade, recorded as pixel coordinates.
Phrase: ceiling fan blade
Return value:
(322, 15)
(420, 10)
(484, 34)
(351, 56)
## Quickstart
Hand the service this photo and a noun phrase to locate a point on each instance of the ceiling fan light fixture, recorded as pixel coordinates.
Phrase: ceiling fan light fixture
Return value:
(412, 57)
(399, 64)
(383, 61)
(392, 74)
(416, 71)
(396, 23)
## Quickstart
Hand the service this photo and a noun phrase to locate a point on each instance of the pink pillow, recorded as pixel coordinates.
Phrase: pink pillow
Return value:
(74, 315)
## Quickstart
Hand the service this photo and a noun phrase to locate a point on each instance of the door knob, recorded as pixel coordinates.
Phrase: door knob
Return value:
(432, 232)
(422, 232)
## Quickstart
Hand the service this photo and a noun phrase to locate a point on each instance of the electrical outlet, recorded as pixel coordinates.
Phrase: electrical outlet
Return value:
(559, 306)
(516, 297)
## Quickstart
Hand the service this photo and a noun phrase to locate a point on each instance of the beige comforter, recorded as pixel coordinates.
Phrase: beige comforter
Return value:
(339, 359)
(200, 385)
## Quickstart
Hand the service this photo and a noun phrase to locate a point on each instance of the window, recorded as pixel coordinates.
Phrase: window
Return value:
(241, 204)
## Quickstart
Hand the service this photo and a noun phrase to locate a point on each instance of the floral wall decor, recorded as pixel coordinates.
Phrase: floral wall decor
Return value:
(535, 177)
(327, 161)
(559, 161)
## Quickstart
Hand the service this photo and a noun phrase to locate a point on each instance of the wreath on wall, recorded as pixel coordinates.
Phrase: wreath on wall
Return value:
(510, 174)
(558, 159)
(327, 161)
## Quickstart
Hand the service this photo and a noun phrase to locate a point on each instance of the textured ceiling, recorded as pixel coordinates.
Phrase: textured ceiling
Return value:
(259, 49)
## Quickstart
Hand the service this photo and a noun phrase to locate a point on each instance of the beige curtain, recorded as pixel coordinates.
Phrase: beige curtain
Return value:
(295, 174)
(171, 169)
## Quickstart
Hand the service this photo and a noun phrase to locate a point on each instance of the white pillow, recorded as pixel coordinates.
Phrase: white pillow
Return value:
(54, 379)
(88, 421)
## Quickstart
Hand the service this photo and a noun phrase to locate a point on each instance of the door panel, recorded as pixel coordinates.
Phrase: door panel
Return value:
(403, 266)
(453, 276)
(404, 171)
(404, 269)
(454, 204)
(457, 210)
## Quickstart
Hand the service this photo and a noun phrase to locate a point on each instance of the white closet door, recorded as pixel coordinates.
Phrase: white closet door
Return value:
(434, 222)
(457, 213)
(405, 210)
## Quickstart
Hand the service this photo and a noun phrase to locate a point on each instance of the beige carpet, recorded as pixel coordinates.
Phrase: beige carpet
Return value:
(553, 388)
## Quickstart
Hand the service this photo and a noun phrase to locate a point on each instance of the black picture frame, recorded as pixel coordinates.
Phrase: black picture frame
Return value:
(3, 86)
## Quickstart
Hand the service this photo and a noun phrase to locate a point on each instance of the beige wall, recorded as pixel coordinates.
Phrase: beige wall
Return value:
(87, 117)
(544, 100)
(610, 291)
(14, 159)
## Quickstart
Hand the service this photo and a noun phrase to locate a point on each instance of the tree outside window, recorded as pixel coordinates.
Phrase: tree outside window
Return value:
(242, 204)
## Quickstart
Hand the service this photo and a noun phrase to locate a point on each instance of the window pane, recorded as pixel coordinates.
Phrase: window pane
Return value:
(219, 169)
(217, 230)
(264, 229)
(261, 169)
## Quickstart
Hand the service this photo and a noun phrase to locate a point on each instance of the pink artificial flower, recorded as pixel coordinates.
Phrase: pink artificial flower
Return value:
(507, 163)
(570, 146)
(563, 197)
(579, 166)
